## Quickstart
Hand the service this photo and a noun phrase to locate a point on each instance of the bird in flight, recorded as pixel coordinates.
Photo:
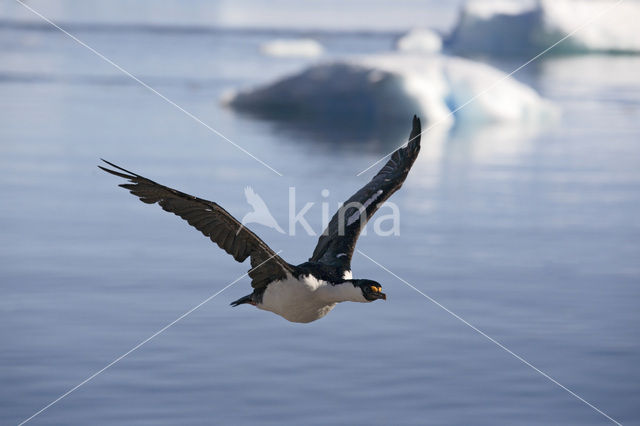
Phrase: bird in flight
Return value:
(299, 293)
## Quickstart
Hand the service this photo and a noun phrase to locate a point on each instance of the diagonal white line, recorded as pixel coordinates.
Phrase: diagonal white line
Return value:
(88, 379)
(145, 85)
(500, 345)
(602, 12)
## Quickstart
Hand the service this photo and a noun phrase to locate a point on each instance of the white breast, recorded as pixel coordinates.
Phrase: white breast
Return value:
(298, 300)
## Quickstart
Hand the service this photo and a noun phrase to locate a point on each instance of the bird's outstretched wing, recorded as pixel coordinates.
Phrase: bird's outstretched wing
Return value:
(337, 242)
(213, 221)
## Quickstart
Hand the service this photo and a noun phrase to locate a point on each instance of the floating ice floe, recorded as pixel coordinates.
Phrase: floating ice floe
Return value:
(394, 86)
(304, 47)
(508, 28)
(420, 40)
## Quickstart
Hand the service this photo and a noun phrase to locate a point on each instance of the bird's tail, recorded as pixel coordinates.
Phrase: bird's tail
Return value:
(245, 299)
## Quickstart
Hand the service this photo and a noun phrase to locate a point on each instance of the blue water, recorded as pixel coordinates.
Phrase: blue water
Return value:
(531, 235)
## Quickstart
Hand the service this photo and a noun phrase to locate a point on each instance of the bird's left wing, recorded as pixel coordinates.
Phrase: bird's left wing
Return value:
(214, 222)
(337, 242)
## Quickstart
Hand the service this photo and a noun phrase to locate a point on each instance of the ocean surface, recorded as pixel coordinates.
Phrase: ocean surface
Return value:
(532, 235)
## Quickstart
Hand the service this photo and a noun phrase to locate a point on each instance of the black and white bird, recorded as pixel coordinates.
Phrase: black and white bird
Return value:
(308, 291)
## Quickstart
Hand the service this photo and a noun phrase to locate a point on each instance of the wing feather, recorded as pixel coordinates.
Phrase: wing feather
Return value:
(211, 220)
(337, 242)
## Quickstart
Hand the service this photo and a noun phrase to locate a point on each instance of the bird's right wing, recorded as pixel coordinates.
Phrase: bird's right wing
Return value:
(337, 242)
(214, 222)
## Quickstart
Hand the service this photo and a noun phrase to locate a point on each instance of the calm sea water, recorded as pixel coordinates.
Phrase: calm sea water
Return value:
(531, 235)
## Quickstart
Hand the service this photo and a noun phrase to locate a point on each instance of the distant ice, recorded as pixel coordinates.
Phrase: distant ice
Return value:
(395, 86)
(507, 27)
(304, 47)
(420, 40)
(486, 9)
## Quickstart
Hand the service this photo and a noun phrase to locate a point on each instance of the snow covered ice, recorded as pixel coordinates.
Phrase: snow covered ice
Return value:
(304, 47)
(395, 86)
(420, 40)
(509, 28)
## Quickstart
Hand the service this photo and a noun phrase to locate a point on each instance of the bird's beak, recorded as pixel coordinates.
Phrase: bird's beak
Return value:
(379, 295)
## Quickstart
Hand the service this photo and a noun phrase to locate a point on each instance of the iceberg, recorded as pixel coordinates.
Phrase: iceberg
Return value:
(508, 28)
(393, 86)
(304, 47)
(420, 40)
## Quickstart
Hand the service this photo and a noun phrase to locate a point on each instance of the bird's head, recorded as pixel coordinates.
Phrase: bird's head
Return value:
(371, 290)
